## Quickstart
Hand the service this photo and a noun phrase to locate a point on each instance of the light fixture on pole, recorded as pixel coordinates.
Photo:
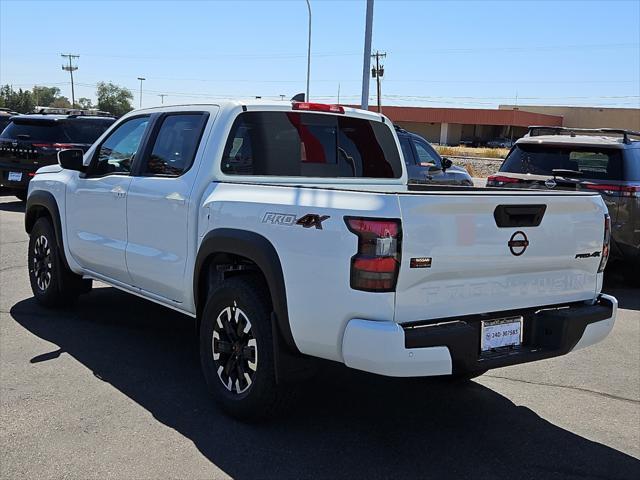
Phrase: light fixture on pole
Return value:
(141, 80)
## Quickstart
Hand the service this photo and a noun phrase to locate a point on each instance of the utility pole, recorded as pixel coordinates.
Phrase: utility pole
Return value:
(306, 98)
(161, 95)
(366, 64)
(141, 80)
(377, 72)
(70, 68)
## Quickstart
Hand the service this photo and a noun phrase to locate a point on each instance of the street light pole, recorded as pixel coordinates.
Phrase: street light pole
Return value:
(141, 80)
(162, 95)
(366, 64)
(306, 98)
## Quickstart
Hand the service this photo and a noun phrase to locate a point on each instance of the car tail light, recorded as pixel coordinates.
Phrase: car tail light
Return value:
(606, 243)
(499, 180)
(616, 190)
(56, 146)
(317, 107)
(374, 268)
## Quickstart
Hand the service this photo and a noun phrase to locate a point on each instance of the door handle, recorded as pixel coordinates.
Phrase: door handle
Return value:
(119, 192)
(175, 197)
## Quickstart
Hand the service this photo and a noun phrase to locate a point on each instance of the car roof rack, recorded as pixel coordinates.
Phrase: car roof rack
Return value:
(71, 112)
(399, 129)
(537, 130)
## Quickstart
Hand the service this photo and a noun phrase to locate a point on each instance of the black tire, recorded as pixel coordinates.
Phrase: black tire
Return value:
(52, 283)
(22, 196)
(227, 354)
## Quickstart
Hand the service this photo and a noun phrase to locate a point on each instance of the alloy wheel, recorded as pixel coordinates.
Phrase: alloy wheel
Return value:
(42, 262)
(235, 350)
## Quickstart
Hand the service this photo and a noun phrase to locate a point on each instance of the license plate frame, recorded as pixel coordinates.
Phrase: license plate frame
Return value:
(14, 176)
(499, 333)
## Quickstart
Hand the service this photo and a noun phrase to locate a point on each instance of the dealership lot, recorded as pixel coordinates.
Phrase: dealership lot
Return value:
(113, 389)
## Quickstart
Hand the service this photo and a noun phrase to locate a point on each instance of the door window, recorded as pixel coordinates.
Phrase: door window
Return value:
(426, 154)
(175, 145)
(117, 152)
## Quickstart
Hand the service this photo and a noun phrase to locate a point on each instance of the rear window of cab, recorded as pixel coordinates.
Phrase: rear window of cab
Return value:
(72, 130)
(310, 145)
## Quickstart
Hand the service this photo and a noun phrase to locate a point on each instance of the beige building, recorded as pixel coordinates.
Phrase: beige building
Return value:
(587, 117)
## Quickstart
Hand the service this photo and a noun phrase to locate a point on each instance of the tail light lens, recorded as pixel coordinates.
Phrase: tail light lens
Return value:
(56, 146)
(374, 268)
(606, 243)
(499, 180)
(616, 190)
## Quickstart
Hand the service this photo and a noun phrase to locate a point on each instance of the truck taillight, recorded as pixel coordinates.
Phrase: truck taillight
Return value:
(605, 243)
(499, 180)
(374, 268)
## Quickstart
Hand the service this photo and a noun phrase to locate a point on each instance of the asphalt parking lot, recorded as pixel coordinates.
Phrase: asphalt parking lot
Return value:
(112, 389)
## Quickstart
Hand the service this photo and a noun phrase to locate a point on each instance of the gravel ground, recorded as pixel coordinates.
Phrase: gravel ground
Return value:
(478, 167)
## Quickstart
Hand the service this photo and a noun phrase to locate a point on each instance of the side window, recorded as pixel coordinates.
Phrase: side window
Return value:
(117, 152)
(426, 154)
(175, 145)
(407, 151)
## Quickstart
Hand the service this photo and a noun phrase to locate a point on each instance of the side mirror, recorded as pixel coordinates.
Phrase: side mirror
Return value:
(71, 159)
(446, 163)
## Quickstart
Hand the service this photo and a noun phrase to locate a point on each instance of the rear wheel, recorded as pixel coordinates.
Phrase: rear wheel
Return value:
(52, 283)
(236, 349)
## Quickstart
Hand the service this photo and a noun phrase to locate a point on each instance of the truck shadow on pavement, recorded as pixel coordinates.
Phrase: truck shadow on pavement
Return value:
(345, 424)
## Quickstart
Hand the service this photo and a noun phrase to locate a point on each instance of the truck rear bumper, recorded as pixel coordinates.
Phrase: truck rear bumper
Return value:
(447, 346)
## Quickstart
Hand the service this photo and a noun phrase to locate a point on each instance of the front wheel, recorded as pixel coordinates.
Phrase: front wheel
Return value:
(236, 349)
(52, 283)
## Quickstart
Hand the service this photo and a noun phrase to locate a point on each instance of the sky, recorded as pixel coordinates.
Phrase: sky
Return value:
(467, 54)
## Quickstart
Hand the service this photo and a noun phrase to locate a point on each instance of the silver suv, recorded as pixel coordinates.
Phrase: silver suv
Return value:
(604, 160)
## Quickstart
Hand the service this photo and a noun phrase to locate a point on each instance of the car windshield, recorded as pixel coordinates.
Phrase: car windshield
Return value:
(592, 162)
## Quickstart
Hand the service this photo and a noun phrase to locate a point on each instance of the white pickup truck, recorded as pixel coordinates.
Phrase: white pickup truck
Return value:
(288, 231)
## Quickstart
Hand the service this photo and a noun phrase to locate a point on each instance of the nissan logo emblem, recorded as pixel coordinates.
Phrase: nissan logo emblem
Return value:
(518, 243)
(550, 183)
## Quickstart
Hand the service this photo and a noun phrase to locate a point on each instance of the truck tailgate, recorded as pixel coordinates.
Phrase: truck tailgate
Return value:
(464, 263)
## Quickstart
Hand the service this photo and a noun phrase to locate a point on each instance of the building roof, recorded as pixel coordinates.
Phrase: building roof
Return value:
(470, 116)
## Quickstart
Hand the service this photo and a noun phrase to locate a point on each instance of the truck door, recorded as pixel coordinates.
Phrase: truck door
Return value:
(96, 203)
(158, 205)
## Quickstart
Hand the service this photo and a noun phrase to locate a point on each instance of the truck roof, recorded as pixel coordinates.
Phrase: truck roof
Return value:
(258, 104)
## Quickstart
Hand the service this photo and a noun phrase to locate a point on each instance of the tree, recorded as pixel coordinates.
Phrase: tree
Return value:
(85, 103)
(45, 96)
(61, 102)
(20, 101)
(114, 99)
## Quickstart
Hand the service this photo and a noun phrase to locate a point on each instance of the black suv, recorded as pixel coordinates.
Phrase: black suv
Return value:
(32, 141)
(602, 160)
(425, 165)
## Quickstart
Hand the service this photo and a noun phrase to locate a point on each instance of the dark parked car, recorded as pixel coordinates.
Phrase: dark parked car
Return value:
(425, 165)
(601, 160)
(32, 141)
(5, 117)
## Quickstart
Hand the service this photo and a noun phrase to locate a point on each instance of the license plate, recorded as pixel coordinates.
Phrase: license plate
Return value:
(503, 332)
(15, 176)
